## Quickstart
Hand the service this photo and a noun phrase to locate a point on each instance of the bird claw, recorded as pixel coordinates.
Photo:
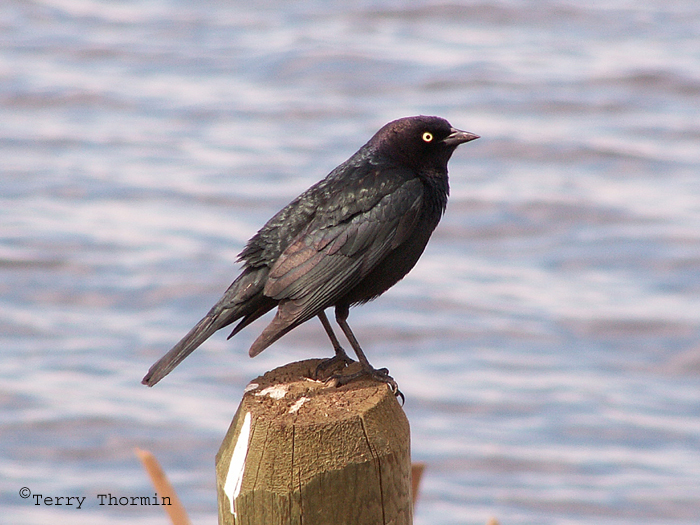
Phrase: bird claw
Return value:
(332, 362)
(381, 374)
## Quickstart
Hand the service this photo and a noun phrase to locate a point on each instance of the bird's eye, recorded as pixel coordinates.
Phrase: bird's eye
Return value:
(427, 136)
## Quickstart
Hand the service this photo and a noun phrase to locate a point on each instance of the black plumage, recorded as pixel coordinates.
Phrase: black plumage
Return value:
(342, 242)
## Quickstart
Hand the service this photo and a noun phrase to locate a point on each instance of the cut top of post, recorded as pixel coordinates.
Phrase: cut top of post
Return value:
(300, 447)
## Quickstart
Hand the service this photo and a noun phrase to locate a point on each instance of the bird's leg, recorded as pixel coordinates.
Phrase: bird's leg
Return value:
(381, 374)
(340, 355)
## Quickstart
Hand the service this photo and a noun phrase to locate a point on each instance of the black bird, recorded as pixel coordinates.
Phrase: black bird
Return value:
(344, 241)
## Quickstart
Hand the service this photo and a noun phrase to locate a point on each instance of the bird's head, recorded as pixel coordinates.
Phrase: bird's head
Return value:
(420, 142)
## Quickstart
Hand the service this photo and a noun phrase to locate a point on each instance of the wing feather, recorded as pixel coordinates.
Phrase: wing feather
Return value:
(323, 264)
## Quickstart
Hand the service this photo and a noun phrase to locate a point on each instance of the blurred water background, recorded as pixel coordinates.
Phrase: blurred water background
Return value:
(548, 342)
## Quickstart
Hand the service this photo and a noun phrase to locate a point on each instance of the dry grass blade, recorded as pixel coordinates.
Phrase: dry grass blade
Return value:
(416, 474)
(176, 512)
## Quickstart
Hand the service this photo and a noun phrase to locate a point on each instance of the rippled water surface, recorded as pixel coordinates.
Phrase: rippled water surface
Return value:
(548, 342)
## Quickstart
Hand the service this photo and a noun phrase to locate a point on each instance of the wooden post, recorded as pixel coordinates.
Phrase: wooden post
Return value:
(302, 452)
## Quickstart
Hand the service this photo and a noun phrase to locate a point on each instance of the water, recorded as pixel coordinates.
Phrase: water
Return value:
(548, 342)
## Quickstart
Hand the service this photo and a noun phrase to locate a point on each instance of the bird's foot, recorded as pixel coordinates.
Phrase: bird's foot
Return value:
(340, 358)
(378, 374)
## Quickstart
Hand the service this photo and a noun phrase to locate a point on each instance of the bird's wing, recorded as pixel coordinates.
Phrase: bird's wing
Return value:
(325, 262)
(354, 187)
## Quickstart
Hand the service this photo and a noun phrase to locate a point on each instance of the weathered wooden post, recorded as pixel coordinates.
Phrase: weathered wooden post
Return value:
(301, 452)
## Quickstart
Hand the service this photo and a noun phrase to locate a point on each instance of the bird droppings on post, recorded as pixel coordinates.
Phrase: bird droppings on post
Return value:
(250, 387)
(236, 468)
(274, 391)
(297, 405)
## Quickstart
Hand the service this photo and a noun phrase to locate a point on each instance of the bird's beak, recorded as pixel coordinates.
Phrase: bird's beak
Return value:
(457, 137)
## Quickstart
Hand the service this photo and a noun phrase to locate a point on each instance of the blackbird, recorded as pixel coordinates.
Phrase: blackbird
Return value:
(343, 242)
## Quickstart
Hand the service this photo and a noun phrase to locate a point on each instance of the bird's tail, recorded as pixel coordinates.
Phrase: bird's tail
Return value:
(188, 344)
(243, 300)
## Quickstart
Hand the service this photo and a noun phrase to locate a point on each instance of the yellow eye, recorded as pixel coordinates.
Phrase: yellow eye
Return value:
(427, 136)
